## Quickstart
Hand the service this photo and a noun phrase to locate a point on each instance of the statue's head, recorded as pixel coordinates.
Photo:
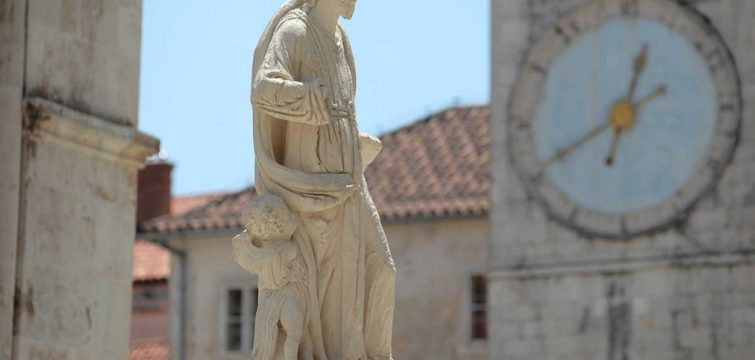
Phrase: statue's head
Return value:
(267, 218)
(345, 8)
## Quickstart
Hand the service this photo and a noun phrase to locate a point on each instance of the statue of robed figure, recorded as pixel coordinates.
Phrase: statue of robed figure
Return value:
(310, 154)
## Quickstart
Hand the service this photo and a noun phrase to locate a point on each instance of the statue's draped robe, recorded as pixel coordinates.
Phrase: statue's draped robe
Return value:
(308, 152)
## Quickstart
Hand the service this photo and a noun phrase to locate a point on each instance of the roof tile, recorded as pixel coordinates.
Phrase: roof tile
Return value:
(150, 349)
(151, 262)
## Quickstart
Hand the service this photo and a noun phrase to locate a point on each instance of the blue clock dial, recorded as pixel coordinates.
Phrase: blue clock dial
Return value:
(624, 116)
(665, 141)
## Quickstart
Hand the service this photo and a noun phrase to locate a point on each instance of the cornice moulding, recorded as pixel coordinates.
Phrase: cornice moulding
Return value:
(49, 121)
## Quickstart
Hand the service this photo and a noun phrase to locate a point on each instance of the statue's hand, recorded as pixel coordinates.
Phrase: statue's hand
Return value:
(244, 251)
(371, 147)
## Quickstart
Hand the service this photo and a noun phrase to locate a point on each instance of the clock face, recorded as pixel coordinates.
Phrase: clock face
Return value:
(624, 115)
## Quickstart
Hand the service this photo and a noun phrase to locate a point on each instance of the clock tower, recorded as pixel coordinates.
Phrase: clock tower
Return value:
(623, 201)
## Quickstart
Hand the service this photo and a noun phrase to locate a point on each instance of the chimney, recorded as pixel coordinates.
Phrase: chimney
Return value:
(154, 188)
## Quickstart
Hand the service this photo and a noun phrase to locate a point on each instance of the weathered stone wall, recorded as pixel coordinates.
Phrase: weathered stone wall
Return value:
(701, 311)
(11, 95)
(75, 272)
(84, 54)
(548, 282)
(435, 264)
(69, 73)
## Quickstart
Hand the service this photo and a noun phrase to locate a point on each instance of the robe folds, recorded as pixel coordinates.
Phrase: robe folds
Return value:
(309, 152)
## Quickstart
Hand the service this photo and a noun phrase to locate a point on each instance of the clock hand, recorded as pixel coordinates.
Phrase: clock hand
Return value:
(659, 91)
(560, 154)
(623, 115)
(614, 145)
(624, 112)
(640, 61)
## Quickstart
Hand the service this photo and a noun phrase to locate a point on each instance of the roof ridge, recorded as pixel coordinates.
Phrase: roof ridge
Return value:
(199, 195)
(433, 115)
(222, 196)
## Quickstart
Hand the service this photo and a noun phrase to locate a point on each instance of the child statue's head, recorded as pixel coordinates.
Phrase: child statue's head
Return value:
(267, 218)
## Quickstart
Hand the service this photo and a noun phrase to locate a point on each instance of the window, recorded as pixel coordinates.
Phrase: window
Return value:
(234, 322)
(479, 307)
(240, 307)
(150, 295)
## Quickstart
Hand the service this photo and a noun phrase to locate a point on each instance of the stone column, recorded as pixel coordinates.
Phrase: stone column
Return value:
(510, 40)
(77, 233)
(69, 86)
(12, 16)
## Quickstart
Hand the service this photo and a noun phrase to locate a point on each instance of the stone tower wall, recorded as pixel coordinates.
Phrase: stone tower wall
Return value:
(683, 293)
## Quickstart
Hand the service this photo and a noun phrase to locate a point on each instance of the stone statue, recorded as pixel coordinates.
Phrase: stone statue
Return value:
(310, 155)
(266, 248)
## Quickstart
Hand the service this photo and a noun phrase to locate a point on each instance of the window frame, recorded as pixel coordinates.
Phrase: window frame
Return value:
(249, 304)
(478, 306)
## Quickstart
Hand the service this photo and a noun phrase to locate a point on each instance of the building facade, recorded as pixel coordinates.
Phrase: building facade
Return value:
(663, 272)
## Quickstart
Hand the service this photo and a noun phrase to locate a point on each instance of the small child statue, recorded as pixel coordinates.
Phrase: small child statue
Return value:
(266, 248)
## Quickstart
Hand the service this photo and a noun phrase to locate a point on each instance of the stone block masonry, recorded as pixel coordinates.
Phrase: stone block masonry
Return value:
(683, 293)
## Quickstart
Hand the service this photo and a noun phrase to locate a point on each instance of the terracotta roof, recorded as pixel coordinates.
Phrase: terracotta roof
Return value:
(181, 204)
(151, 262)
(221, 213)
(150, 349)
(436, 167)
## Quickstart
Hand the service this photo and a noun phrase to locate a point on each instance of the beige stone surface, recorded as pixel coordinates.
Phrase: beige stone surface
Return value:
(68, 103)
(309, 153)
(85, 54)
(267, 248)
(557, 294)
(11, 94)
(433, 290)
(74, 279)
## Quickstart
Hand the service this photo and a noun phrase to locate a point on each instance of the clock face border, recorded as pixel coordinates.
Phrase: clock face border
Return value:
(530, 85)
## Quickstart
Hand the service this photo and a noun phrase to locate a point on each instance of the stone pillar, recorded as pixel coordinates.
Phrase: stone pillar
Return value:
(509, 42)
(69, 82)
(77, 231)
(12, 16)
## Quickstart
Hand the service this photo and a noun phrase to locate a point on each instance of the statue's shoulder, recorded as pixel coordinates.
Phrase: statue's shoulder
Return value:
(293, 25)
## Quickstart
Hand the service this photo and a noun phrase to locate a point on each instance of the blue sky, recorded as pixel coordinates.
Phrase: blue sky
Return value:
(413, 57)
